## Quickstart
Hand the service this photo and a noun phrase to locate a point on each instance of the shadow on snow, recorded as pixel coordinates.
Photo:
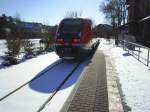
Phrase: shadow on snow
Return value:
(126, 54)
(54, 77)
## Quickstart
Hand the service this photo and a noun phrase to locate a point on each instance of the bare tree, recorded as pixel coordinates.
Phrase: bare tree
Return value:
(73, 14)
(17, 17)
(115, 11)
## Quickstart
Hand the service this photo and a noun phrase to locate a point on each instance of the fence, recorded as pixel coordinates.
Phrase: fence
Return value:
(140, 52)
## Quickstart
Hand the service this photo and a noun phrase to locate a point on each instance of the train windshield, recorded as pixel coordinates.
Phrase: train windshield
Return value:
(71, 27)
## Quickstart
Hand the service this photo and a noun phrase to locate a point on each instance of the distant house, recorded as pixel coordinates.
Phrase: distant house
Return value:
(103, 30)
(37, 30)
(21, 29)
(32, 30)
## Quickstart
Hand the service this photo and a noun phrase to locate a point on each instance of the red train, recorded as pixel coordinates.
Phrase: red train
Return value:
(74, 38)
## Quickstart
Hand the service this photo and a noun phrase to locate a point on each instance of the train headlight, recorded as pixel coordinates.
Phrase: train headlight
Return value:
(59, 40)
(76, 40)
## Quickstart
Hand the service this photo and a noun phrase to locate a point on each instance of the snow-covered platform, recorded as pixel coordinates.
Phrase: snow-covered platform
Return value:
(131, 75)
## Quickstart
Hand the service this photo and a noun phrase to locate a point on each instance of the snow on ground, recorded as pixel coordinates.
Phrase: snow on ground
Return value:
(142, 55)
(32, 96)
(134, 76)
(3, 47)
(16, 75)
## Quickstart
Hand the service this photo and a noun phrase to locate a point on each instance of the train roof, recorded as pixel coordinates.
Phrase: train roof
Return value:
(80, 19)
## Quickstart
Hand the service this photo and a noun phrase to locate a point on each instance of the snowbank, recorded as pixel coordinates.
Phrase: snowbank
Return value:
(133, 75)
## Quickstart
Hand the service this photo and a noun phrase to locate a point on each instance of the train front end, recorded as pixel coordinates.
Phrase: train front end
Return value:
(70, 41)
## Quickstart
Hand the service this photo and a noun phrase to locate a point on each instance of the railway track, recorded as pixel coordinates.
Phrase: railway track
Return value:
(44, 103)
(66, 78)
(59, 87)
(39, 75)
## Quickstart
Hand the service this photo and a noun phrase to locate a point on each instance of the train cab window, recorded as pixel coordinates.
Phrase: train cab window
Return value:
(71, 27)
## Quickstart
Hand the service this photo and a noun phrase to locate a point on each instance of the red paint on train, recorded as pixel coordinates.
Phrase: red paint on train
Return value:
(74, 38)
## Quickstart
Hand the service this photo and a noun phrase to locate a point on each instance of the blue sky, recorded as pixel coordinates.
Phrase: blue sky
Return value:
(51, 11)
